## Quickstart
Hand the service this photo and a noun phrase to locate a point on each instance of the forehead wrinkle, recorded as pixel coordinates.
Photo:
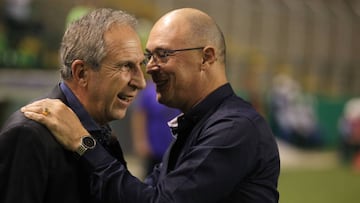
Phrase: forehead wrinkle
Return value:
(126, 48)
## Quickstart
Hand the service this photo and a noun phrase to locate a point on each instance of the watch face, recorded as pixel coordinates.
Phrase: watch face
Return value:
(89, 142)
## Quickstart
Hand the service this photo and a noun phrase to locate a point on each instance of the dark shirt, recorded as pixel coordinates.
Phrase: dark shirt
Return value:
(224, 152)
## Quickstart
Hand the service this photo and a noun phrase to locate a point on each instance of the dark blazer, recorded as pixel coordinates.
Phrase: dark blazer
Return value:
(34, 167)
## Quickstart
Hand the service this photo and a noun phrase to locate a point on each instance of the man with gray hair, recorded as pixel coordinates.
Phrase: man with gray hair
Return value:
(101, 58)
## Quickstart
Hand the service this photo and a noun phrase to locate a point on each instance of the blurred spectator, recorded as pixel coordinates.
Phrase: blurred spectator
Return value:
(18, 10)
(292, 113)
(151, 134)
(17, 19)
(23, 35)
(349, 127)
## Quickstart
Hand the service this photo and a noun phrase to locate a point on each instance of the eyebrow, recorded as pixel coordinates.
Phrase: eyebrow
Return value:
(156, 49)
(122, 62)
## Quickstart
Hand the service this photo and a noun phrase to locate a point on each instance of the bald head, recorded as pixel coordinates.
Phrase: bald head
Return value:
(194, 63)
(193, 28)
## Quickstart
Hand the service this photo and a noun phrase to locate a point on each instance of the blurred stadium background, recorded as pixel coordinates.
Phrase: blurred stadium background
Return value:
(305, 52)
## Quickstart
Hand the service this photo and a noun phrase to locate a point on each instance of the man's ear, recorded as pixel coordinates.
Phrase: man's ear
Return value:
(209, 55)
(79, 72)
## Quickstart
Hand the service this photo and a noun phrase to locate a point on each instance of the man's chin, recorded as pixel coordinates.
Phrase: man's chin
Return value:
(159, 97)
(162, 100)
(120, 114)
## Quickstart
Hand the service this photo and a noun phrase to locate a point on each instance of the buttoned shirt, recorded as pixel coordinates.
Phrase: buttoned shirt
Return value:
(224, 152)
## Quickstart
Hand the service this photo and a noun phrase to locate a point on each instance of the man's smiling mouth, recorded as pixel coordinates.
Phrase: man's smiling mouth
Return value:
(161, 83)
(125, 98)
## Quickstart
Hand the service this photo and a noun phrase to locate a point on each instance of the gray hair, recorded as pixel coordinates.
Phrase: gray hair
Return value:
(84, 38)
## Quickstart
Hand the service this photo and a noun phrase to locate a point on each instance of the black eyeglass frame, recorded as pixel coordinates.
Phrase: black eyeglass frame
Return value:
(162, 57)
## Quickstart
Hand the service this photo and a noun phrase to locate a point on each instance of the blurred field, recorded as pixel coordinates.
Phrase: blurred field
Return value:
(312, 176)
(336, 185)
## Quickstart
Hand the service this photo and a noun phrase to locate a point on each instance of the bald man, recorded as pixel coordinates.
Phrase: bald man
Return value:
(223, 149)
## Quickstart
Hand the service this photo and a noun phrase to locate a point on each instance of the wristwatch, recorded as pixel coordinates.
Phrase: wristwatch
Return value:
(87, 142)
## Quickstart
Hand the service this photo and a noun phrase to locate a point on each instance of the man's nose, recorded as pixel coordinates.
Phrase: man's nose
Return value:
(139, 79)
(152, 66)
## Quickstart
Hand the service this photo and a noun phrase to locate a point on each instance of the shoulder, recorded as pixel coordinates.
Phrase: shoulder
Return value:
(18, 129)
(235, 108)
(236, 117)
(238, 120)
(18, 126)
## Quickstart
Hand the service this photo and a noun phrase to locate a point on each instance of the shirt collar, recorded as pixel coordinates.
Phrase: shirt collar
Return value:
(199, 111)
(212, 100)
(86, 120)
(173, 125)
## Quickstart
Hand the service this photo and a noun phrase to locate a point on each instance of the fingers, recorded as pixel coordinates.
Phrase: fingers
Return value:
(31, 109)
(38, 110)
(35, 116)
(60, 120)
(37, 113)
(43, 106)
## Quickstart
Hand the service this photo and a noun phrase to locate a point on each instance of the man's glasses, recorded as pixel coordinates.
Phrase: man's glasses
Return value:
(161, 55)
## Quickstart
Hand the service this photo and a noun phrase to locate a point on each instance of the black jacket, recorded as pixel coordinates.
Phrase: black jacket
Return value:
(34, 167)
